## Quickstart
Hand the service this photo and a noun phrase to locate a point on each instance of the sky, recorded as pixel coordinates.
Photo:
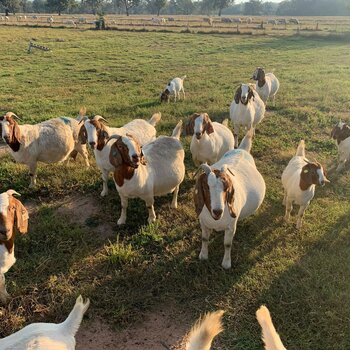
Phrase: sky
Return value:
(240, 1)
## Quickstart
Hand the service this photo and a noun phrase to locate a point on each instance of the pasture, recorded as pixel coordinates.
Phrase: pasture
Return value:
(74, 245)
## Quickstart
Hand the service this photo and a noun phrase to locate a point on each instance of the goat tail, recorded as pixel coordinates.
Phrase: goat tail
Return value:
(301, 149)
(156, 117)
(225, 122)
(177, 130)
(269, 335)
(204, 331)
(246, 143)
(184, 77)
(71, 324)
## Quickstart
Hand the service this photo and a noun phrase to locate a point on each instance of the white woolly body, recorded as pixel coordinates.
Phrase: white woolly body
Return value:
(343, 149)
(48, 336)
(249, 188)
(211, 147)
(291, 181)
(269, 89)
(163, 172)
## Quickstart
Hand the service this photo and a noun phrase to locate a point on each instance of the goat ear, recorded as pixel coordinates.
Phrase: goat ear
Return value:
(16, 133)
(189, 127)
(230, 201)
(142, 158)
(200, 192)
(102, 136)
(238, 95)
(82, 136)
(115, 157)
(209, 128)
(21, 216)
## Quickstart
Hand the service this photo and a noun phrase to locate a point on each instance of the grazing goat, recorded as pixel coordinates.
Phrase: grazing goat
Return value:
(226, 20)
(96, 133)
(207, 328)
(230, 190)
(208, 20)
(299, 179)
(48, 336)
(155, 170)
(247, 109)
(267, 84)
(272, 21)
(341, 133)
(210, 140)
(294, 21)
(174, 87)
(51, 141)
(50, 20)
(13, 217)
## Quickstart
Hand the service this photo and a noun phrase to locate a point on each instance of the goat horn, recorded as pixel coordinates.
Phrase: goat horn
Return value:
(11, 114)
(113, 137)
(83, 119)
(98, 117)
(12, 192)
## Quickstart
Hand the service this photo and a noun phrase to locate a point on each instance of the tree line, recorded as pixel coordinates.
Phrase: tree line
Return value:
(182, 7)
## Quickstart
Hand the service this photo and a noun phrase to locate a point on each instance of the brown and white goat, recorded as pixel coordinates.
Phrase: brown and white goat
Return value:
(13, 218)
(299, 179)
(341, 133)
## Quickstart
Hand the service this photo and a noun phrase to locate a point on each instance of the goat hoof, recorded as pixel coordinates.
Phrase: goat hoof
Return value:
(226, 265)
(173, 205)
(121, 222)
(4, 298)
(151, 220)
(203, 256)
(104, 193)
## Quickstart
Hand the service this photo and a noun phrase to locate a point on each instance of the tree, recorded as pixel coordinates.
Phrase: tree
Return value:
(156, 5)
(221, 4)
(128, 4)
(60, 5)
(39, 6)
(11, 5)
(94, 5)
(207, 6)
(253, 8)
(184, 7)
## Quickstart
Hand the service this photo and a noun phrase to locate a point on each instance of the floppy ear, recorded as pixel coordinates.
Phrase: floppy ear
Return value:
(16, 133)
(189, 127)
(82, 136)
(250, 93)
(238, 95)
(142, 158)
(21, 216)
(115, 157)
(200, 193)
(102, 135)
(230, 201)
(209, 125)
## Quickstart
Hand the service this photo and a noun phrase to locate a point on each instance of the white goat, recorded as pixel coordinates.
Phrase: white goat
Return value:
(247, 109)
(210, 140)
(341, 133)
(174, 87)
(156, 170)
(96, 132)
(45, 336)
(299, 179)
(267, 84)
(50, 20)
(13, 217)
(51, 141)
(230, 190)
(207, 328)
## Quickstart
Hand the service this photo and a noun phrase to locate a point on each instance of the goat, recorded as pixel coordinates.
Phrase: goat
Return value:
(50, 20)
(230, 190)
(272, 21)
(156, 170)
(341, 133)
(267, 84)
(208, 20)
(13, 217)
(294, 21)
(210, 140)
(226, 20)
(247, 109)
(51, 141)
(96, 132)
(207, 328)
(299, 179)
(174, 87)
(59, 336)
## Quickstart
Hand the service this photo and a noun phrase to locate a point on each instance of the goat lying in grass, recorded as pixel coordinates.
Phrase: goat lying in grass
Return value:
(341, 133)
(48, 336)
(51, 141)
(246, 110)
(299, 179)
(155, 170)
(13, 217)
(96, 133)
(206, 329)
(230, 190)
(174, 87)
(210, 140)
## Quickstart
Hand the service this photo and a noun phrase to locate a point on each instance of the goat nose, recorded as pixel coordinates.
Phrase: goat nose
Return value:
(198, 135)
(217, 212)
(135, 157)
(92, 144)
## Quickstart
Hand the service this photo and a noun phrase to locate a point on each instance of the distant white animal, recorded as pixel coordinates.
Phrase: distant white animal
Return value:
(247, 109)
(341, 133)
(174, 87)
(71, 22)
(299, 179)
(272, 21)
(228, 191)
(226, 20)
(294, 21)
(48, 336)
(159, 20)
(50, 20)
(237, 20)
(267, 84)
(210, 140)
(96, 133)
(13, 217)
(155, 170)
(209, 20)
(7, 18)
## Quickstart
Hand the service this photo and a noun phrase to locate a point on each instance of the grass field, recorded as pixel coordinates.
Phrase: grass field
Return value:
(303, 277)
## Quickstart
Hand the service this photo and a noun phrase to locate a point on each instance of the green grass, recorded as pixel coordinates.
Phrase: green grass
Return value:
(303, 277)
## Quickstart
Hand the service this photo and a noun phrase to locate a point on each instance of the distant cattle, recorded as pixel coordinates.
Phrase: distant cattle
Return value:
(171, 19)
(226, 20)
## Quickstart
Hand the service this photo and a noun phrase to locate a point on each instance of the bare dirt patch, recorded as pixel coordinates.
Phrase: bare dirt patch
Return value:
(162, 329)
(3, 150)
